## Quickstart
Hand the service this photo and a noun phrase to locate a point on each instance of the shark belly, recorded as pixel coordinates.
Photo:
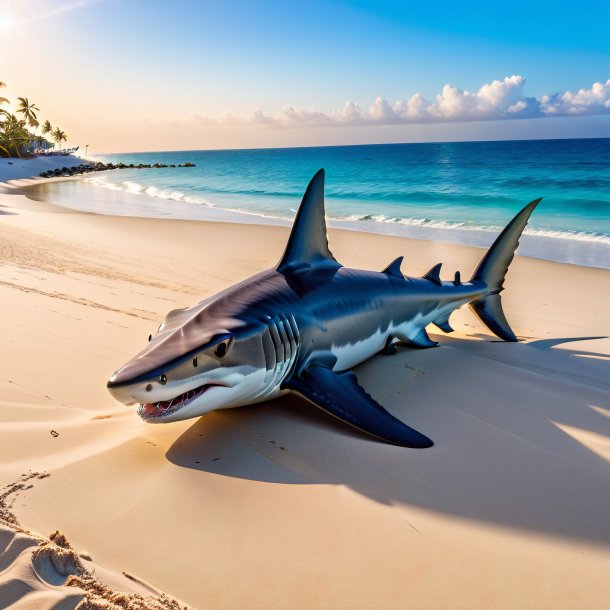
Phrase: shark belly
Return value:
(356, 352)
(351, 354)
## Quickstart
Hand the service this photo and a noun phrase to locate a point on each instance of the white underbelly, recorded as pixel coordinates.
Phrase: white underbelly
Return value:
(352, 354)
(357, 352)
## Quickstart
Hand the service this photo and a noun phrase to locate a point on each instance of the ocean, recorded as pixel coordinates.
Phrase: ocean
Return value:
(462, 192)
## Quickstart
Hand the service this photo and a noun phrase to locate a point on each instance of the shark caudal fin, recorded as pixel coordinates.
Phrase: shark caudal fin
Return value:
(307, 246)
(492, 271)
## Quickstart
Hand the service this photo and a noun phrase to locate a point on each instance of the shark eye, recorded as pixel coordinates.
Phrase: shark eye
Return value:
(163, 379)
(221, 349)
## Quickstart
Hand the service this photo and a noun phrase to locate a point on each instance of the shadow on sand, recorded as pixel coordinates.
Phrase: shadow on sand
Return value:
(509, 446)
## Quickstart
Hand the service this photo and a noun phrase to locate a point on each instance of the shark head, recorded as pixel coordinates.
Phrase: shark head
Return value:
(198, 361)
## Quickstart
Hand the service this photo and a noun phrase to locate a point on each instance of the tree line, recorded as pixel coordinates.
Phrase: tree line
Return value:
(19, 133)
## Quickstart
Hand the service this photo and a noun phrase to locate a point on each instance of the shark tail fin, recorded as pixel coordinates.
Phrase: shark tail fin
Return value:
(492, 271)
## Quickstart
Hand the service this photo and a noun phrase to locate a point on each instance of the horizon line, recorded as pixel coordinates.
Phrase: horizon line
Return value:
(250, 148)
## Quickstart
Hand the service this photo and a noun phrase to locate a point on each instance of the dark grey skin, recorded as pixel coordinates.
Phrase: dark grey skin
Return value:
(302, 326)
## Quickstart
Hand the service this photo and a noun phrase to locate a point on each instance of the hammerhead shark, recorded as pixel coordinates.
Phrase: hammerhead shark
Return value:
(301, 326)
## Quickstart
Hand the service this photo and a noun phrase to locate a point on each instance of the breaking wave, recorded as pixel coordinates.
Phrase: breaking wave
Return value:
(152, 191)
(428, 223)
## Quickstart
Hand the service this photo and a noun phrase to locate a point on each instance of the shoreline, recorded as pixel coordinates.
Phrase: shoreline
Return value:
(506, 505)
(28, 187)
(588, 253)
(450, 193)
(90, 194)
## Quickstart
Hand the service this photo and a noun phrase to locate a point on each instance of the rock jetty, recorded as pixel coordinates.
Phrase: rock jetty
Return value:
(86, 168)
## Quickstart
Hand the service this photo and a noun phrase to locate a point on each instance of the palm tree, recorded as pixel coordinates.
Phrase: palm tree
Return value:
(45, 129)
(14, 135)
(59, 136)
(27, 110)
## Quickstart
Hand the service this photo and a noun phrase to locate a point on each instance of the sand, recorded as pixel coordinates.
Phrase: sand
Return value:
(277, 505)
(18, 169)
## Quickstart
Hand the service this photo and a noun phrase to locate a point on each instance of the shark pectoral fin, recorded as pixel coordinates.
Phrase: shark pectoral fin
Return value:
(340, 395)
(420, 341)
(443, 323)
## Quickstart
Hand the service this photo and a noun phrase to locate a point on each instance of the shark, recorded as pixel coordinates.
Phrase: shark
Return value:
(302, 326)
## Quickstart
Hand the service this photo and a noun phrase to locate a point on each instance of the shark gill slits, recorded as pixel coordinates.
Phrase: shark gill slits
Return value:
(163, 379)
(149, 338)
(221, 350)
(195, 362)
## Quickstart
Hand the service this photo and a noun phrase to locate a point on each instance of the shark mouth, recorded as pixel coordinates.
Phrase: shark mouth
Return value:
(163, 408)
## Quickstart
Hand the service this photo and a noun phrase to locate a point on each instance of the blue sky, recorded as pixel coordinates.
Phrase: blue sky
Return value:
(196, 71)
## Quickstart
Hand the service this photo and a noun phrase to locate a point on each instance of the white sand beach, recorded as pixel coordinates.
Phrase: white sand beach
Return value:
(277, 505)
(18, 169)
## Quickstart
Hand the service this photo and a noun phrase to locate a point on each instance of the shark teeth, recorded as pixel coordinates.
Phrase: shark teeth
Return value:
(163, 408)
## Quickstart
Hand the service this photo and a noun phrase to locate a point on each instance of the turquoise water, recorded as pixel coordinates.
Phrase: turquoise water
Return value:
(459, 192)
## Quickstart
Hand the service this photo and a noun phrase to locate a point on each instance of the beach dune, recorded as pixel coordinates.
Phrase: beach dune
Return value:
(278, 505)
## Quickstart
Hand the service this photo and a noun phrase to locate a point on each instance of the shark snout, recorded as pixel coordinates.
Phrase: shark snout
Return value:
(130, 389)
(132, 392)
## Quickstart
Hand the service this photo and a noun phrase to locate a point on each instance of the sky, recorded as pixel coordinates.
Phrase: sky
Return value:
(135, 75)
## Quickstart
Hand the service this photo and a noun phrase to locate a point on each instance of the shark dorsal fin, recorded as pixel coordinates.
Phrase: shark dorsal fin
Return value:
(394, 268)
(434, 275)
(307, 246)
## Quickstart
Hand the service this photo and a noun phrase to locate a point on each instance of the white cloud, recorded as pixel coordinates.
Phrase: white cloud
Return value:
(585, 101)
(499, 100)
